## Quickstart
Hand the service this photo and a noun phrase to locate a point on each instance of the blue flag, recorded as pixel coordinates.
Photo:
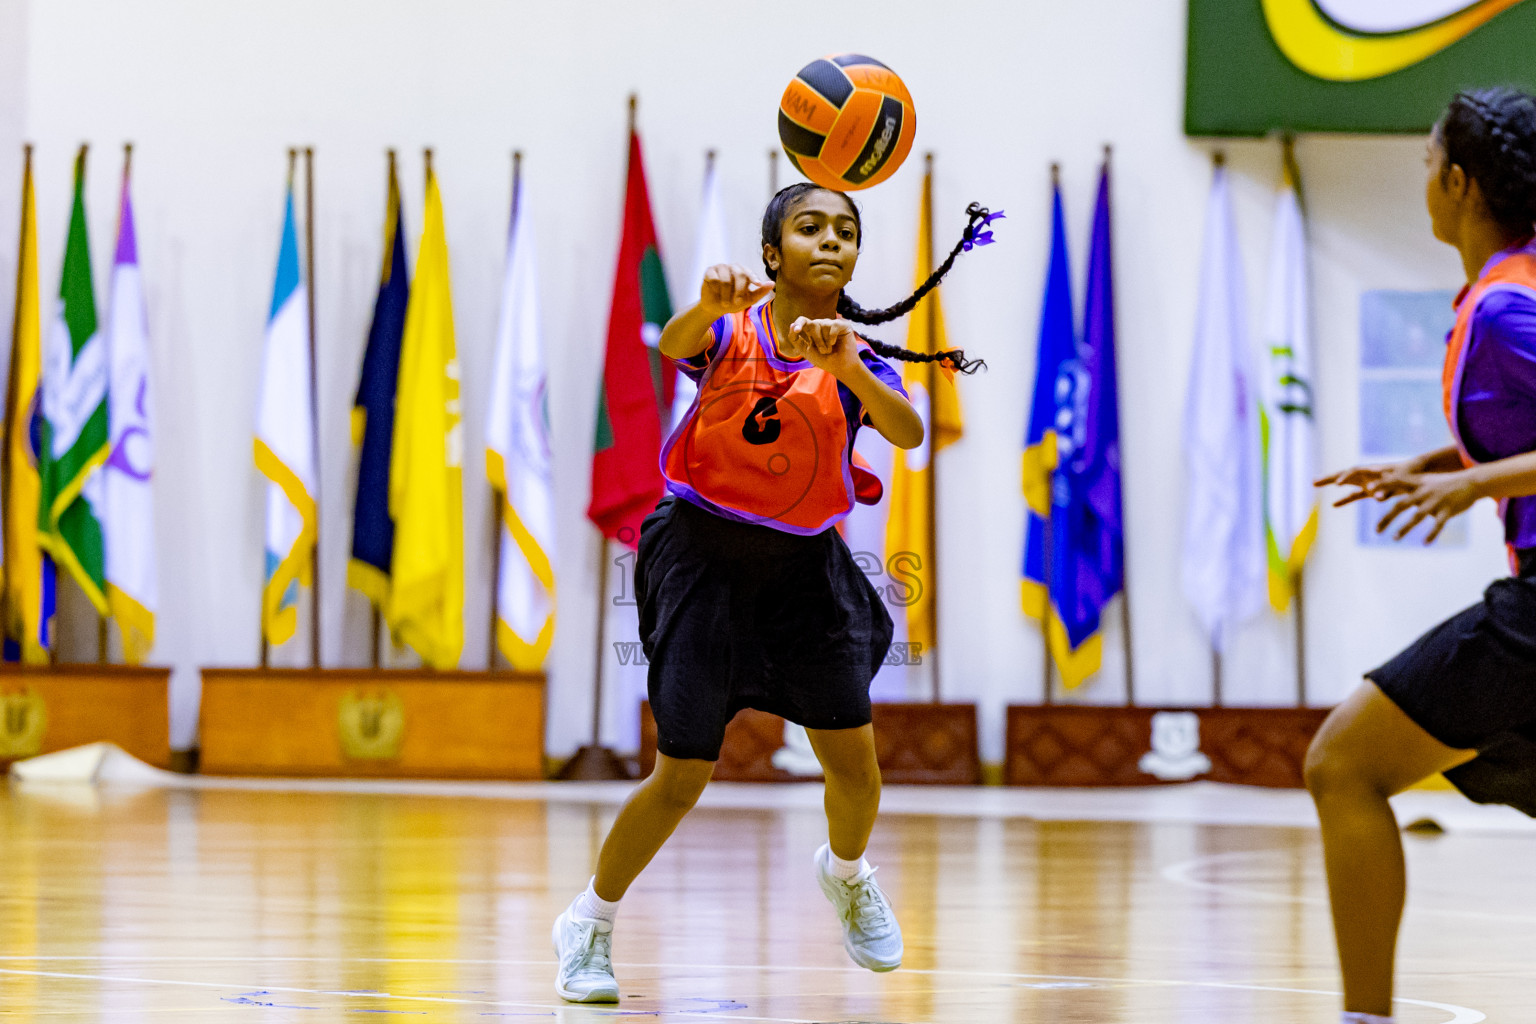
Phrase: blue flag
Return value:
(373, 414)
(1097, 529)
(1072, 460)
(1057, 349)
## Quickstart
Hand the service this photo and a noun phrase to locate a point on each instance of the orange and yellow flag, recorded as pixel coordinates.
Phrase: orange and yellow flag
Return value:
(909, 532)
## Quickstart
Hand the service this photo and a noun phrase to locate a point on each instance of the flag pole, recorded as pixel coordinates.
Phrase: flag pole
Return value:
(1218, 160)
(377, 613)
(594, 761)
(1300, 611)
(266, 648)
(1125, 576)
(10, 392)
(314, 402)
(931, 383)
(495, 574)
(1049, 540)
(602, 635)
(498, 497)
(101, 620)
(1288, 163)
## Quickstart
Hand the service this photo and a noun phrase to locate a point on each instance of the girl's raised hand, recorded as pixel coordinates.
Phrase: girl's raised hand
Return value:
(730, 289)
(828, 344)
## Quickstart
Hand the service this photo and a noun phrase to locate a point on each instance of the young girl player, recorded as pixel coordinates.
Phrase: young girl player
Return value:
(748, 596)
(1462, 699)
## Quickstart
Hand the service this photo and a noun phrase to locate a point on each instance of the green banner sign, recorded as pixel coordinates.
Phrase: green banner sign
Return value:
(1257, 66)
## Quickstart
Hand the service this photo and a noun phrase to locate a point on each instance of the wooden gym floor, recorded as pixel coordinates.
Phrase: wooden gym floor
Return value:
(273, 902)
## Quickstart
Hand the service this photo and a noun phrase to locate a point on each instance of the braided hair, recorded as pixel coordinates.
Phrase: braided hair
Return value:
(978, 217)
(1491, 134)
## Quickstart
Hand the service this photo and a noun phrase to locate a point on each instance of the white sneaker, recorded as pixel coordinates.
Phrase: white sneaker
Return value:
(870, 932)
(584, 947)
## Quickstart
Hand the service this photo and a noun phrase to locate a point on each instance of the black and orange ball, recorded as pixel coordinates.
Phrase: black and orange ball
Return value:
(847, 122)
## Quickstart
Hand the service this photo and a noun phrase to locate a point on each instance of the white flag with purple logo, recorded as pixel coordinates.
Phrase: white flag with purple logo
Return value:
(1223, 570)
(128, 522)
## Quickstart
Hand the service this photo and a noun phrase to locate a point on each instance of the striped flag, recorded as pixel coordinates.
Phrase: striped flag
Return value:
(127, 479)
(28, 572)
(910, 529)
(1286, 421)
(285, 440)
(517, 459)
(373, 412)
(711, 246)
(426, 468)
(1223, 567)
(73, 443)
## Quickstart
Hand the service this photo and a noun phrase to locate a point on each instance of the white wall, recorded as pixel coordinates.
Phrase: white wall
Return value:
(212, 94)
(13, 82)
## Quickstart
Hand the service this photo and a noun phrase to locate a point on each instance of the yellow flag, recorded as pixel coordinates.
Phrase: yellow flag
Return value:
(909, 531)
(425, 608)
(23, 556)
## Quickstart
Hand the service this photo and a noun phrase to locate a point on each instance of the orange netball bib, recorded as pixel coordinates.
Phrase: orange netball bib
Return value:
(768, 440)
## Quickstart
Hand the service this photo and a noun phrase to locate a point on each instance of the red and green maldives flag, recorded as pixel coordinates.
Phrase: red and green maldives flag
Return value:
(635, 398)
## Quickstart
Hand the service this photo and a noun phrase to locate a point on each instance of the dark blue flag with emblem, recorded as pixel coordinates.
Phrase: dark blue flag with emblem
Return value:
(373, 413)
(1073, 560)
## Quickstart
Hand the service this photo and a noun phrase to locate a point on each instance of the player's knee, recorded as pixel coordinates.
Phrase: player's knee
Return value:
(681, 784)
(1329, 769)
(859, 776)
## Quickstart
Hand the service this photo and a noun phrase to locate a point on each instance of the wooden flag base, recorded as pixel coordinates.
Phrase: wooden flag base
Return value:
(1084, 745)
(391, 723)
(594, 764)
(50, 709)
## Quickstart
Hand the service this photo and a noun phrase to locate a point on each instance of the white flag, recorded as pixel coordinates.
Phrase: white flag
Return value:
(1223, 566)
(517, 459)
(128, 522)
(285, 441)
(1290, 439)
(710, 247)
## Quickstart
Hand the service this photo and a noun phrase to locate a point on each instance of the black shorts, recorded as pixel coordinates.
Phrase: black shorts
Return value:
(735, 615)
(1471, 684)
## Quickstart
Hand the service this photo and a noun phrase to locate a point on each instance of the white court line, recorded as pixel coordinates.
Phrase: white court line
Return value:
(1183, 873)
(1459, 1014)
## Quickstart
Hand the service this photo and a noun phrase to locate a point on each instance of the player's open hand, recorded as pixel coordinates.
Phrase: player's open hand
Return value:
(1437, 496)
(1381, 482)
(730, 289)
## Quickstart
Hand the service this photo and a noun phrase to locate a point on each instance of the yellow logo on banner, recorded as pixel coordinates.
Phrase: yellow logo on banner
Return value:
(24, 724)
(1322, 48)
(372, 726)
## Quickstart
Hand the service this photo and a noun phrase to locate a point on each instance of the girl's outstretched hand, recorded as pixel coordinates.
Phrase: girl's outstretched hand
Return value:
(1380, 482)
(829, 344)
(730, 289)
(1437, 496)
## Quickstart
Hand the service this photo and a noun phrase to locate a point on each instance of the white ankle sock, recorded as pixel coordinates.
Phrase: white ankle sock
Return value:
(844, 870)
(590, 905)
(1348, 1017)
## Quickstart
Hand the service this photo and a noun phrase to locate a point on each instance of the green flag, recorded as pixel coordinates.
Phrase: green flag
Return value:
(73, 441)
